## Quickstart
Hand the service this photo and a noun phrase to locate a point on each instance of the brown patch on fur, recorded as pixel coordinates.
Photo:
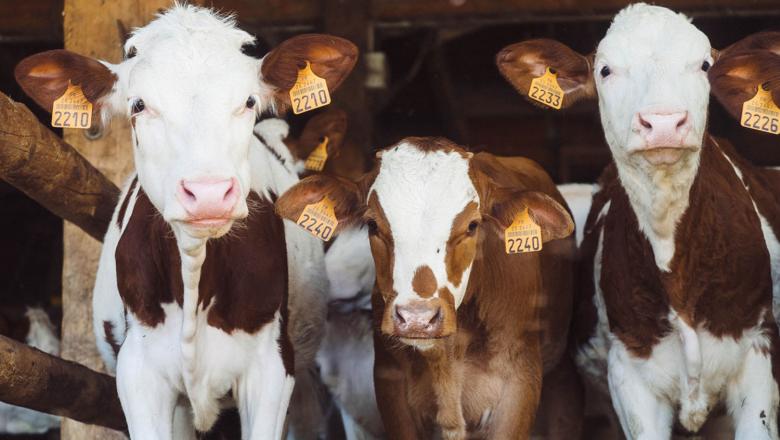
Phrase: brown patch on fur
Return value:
(462, 244)
(120, 217)
(520, 63)
(108, 330)
(243, 277)
(424, 282)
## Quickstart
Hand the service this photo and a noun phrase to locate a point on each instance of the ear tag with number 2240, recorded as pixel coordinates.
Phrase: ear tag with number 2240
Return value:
(72, 109)
(319, 219)
(309, 92)
(523, 235)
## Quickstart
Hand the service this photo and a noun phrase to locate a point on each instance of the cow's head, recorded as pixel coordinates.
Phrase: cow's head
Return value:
(192, 96)
(652, 74)
(428, 204)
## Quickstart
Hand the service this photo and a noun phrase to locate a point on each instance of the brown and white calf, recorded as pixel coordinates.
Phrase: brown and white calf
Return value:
(681, 250)
(463, 331)
(202, 293)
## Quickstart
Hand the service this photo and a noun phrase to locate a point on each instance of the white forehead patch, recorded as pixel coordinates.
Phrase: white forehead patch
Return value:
(421, 192)
(642, 31)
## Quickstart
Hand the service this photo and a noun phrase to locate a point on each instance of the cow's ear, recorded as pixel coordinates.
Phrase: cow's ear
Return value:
(743, 67)
(45, 77)
(553, 219)
(521, 62)
(344, 194)
(331, 58)
(331, 124)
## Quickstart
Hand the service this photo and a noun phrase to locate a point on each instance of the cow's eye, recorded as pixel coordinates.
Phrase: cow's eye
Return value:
(138, 106)
(250, 102)
(473, 227)
(372, 226)
(705, 66)
(605, 71)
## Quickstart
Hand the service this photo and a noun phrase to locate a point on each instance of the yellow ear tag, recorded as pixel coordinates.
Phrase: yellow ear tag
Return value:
(545, 89)
(72, 109)
(523, 235)
(318, 157)
(309, 92)
(761, 113)
(319, 219)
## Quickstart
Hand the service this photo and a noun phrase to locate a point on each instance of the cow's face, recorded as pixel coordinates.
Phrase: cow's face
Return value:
(423, 217)
(428, 205)
(651, 76)
(192, 97)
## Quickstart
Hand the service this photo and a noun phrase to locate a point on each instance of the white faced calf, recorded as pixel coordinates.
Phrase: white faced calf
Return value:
(180, 317)
(680, 247)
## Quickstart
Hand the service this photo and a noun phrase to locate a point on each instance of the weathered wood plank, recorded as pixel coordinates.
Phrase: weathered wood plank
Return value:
(37, 380)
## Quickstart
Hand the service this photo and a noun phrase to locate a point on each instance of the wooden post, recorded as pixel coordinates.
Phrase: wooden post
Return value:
(90, 28)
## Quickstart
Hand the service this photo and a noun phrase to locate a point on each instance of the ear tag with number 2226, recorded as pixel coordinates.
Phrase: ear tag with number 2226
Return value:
(317, 158)
(319, 219)
(309, 92)
(761, 113)
(523, 235)
(545, 89)
(72, 109)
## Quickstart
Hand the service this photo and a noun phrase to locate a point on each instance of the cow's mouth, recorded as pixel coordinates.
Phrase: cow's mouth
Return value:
(664, 155)
(208, 223)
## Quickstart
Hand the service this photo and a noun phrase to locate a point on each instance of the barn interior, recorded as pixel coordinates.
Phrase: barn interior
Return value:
(428, 69)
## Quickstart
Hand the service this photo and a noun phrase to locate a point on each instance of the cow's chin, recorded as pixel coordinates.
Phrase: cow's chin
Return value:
(419, 344)
(664, 155)
(207, 228)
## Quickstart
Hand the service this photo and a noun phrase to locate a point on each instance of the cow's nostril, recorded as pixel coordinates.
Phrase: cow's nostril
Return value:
(645, 124)
(399, 317)
(682, 121)
(436, 317)
(230, 191)
(189, 193)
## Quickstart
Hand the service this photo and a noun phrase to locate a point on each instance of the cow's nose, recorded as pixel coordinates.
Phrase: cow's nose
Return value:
(418, 319)
(663, 129)
(208, 198)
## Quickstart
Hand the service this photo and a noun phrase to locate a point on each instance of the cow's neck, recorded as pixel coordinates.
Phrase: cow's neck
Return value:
(659, 196)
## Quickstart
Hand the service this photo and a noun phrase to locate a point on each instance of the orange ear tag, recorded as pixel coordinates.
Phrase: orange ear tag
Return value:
(319, 219)
(72, 109)
(523, 235)
(761, 113)
(318, 157)
(309, 92)
(545, 89)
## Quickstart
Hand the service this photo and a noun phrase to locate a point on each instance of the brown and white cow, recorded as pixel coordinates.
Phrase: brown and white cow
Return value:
(463, 331)
(202, 293)
(681, 250)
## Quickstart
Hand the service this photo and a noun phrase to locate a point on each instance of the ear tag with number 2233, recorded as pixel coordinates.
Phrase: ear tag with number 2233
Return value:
(545, 89)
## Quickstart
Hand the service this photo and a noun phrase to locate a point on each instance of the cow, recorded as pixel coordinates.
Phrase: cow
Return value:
(30, 325)
(203, 296)
(463, 331)
(680, 254)
(345, 358)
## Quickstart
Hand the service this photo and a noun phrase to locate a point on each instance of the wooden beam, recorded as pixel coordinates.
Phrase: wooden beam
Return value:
(90, 28)
(31, 20)
(40, 164)
(37, 380)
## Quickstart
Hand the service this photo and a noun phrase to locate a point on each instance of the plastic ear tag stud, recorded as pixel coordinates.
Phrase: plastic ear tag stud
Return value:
(318, 157)
(319, 219)
(761, 113)
(309, 92)
(545, 89)
(72, 109)
(523, 235)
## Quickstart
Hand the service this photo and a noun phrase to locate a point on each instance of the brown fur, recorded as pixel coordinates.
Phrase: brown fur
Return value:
(424, 282)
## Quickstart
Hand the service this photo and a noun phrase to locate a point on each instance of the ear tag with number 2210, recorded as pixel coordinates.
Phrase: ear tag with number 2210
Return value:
(545, 89)
(319, 219)
(309, 92)
(72, 109)
(523, 235)
(761, 113)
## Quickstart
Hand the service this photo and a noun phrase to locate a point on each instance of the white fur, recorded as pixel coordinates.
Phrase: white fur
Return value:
(195, 81)
(18, 420)
(579, 197)
(350, 265)
(421, 193)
